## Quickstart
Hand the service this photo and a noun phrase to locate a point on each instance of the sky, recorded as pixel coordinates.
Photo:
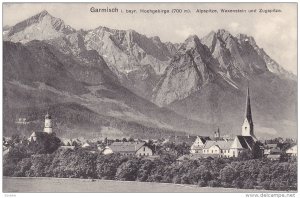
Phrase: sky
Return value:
(276, 33)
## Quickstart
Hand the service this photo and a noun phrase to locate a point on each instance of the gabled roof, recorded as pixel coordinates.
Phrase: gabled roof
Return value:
(222, 144)
(119, 147)
(245, 142)
(203, 138)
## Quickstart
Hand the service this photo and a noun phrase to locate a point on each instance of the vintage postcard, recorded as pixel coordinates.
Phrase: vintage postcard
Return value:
(150, 97)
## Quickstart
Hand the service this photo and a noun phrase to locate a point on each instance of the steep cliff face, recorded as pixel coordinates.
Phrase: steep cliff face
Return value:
(86, 65)
(128, 50)
(128, 53)
(218, 57)
(236, 56)
(190, 68)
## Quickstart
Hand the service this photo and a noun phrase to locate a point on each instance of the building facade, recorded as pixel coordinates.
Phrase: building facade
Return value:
(221, 147)
(128, 148)
(48, 124)
(42, 136)
(292, 151)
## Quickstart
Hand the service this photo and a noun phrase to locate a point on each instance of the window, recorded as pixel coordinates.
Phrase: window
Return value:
(144, 148)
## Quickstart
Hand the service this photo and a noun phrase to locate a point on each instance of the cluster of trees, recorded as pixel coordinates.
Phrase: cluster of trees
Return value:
(79, 163)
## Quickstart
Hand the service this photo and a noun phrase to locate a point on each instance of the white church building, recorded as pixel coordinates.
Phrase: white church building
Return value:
(37, 136)
(228, 148)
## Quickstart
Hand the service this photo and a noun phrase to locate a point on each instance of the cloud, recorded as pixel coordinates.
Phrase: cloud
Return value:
(185, 32)
(265, 130)
(279, 40)
(234, 26)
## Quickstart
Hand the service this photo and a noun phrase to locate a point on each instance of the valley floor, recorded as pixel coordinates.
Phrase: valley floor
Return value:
(26, 185)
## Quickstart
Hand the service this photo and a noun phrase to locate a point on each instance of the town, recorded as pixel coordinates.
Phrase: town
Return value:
(195, 146)
(214, 161)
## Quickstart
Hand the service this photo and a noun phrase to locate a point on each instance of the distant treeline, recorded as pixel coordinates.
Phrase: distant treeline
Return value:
(219, 172)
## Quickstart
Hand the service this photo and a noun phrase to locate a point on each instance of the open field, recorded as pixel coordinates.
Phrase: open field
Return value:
(13, 184)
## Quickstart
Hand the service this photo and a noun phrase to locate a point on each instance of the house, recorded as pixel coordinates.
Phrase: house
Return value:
(274, 157)
(128, 148)
(198, 144)
(86, 145)
(270, 148)
(217, 148)
(107, 150)
(22, 121)
(67, 147)
(292, 151)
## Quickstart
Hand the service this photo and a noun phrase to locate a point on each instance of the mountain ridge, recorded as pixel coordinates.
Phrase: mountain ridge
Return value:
(193, 79)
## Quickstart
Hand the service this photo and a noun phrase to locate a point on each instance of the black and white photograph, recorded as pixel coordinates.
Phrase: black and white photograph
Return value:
(150, 98)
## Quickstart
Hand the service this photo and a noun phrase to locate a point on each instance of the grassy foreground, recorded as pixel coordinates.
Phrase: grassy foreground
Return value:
(22, 185)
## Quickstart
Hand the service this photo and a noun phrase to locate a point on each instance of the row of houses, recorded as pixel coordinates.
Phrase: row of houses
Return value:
(123, 148)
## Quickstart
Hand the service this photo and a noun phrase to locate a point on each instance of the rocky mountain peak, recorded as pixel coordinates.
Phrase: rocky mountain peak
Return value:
(41, 26)
(43, 13)
(192, 38)
(191, 43)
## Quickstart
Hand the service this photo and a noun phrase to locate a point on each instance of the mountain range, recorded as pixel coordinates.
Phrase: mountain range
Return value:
(119, 83)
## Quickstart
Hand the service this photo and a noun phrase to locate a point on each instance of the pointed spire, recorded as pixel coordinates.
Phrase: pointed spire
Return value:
(47, 116)
(248, 113)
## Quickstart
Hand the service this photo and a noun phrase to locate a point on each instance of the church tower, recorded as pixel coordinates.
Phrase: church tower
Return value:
(48, 124)
(217, 134)
(247, 128)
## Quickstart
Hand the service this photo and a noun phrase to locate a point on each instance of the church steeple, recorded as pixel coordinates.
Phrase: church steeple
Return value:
(247, 128)
(248, 113)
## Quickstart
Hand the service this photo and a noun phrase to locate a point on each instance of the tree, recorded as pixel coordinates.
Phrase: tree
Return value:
(227, 174)
(145, 169)
(284, 157)
(128, 170)
(15, 139)
(248, 184)
(257, 152)
(107, 165)
(23, 167)
(47, 144)
(245, 155)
